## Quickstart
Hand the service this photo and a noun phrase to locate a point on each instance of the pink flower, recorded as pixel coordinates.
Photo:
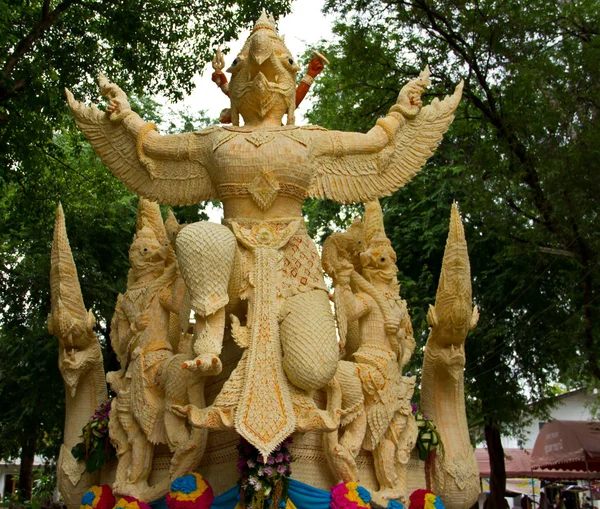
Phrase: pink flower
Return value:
(268, 471)
(288, 458)
(281, 469)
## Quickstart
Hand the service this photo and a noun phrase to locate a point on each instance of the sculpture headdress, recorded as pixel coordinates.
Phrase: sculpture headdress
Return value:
(263, 76)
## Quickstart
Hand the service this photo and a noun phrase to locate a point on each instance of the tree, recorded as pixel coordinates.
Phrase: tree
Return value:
(518, 159)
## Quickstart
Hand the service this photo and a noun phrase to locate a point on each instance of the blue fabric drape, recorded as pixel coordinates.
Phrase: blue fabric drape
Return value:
(303, 496)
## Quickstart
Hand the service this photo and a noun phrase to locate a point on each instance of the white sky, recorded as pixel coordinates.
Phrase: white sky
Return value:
(303, 28)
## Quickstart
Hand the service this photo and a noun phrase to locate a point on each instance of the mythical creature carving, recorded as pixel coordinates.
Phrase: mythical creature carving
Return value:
(79, 361)
(262, 172)
(369, 294)
(146, 335)
(455, 476)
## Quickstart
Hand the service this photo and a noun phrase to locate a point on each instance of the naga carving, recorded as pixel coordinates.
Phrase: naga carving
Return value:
(257, 279)
(79, 361)
(456, 475)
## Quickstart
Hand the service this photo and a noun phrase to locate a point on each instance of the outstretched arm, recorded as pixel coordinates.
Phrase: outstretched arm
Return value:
(353, 167)
(149, 143)
(408, 105)
(171, 170)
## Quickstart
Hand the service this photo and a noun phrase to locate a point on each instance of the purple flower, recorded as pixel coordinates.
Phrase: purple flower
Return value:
(270, 460)
(288, 458)
(414, 408)
(279, 457)
(241, 463)
(268, 471)
(281, 469)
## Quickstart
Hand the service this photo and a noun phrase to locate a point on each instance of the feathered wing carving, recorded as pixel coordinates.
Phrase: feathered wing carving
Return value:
(170, 181)
(351, 178)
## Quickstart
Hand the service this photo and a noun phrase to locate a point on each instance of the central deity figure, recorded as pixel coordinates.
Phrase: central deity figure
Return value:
(260, 266)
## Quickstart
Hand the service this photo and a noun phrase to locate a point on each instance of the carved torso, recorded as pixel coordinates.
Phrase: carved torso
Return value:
(265, 167)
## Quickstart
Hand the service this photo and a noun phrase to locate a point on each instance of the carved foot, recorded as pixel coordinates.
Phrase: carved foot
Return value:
(212, 417)
(205, 365)
(343, 464)
(383, 496)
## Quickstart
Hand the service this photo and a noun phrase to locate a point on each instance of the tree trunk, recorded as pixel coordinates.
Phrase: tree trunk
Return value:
(27, 459)
(497, 467)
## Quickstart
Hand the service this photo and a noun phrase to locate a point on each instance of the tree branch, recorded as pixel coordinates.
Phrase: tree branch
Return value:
(48, 18)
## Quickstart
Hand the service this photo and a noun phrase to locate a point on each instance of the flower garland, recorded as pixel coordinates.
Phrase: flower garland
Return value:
(428, 438)
(349, 496)
(425, 499)
(264, 481)
(98, 497)
(190, 491)
(96, 448)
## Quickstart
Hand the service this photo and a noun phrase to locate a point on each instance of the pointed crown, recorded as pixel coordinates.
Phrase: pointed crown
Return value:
(265, 21)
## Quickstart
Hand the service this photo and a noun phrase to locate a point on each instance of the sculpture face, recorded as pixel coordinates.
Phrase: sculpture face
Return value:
(263, 77)
(147, 254)
(379, 258)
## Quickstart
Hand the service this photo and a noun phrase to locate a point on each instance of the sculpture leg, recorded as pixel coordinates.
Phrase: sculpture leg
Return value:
(135, 461)
(182, 387)
(384, 456)
(341, 452)
(354, 418)
(118, 437)
(310, 349)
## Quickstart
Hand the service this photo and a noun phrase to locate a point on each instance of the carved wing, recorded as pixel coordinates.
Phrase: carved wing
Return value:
(360, 177)
(170, 180)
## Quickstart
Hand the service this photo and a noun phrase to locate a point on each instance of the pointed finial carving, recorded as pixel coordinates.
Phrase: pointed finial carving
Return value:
(67, 307)
(452, 316)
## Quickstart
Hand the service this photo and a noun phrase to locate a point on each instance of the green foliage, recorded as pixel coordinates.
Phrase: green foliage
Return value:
(96, 449)
(519, 161)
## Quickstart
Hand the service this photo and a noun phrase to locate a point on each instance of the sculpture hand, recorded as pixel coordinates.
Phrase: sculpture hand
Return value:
(343, 272)
(409, 100)
(391, 326)
(219, 78)
(118, 106)
(315, 66)
(141, 322)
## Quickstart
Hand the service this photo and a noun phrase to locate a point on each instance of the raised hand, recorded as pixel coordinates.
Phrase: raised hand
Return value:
(118, 106)
(409, 100)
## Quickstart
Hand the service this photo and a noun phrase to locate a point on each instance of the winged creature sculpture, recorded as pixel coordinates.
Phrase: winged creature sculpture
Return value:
(262, 171)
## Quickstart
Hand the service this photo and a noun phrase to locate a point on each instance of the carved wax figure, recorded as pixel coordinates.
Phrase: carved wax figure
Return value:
(262, 172)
